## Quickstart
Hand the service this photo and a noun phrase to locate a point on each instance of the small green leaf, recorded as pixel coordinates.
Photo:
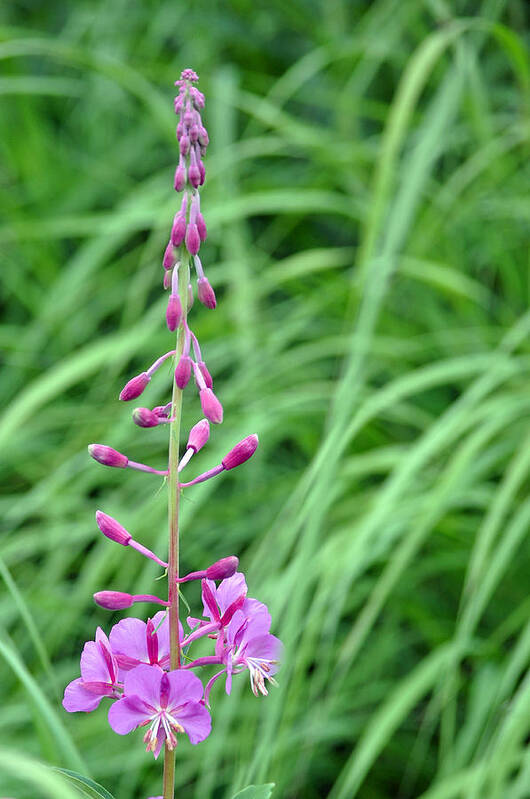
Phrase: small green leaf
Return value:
(85, 785)
(255, 792)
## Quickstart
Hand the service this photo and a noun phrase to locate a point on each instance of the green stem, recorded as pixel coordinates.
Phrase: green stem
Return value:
(173, 518)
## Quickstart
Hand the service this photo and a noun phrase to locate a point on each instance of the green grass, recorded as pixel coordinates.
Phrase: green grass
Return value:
(368, 214)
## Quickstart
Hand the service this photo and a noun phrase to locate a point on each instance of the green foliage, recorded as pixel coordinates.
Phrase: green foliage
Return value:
(368, 213)
(85, 786)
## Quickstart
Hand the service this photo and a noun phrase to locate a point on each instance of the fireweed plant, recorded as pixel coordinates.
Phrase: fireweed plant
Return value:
(147, 669)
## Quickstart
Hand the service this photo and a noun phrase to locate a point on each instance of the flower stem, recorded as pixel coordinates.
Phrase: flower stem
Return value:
(173, 518)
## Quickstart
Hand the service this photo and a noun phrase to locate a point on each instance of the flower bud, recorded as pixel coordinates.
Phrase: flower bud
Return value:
(113, 600)
(193, 241)
(202, 173)
(144, 417)
(206, 374)
(190, 296)
(184, 145)
(194, 132)
(211, 407)
(206, 293)
(112, 529)
(203, 137)
(199, 435)
(178, 231)
(201, 227)
(108, 456)
(194, 175)
(180, 178)
(134, 387)
(169, 259)
(241, 452)
(223, 568)
(183, 371)
(173, 312)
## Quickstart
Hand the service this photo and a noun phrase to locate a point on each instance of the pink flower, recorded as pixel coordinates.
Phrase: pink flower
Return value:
(99, 677)
(134, 641)
(169, 702)
(251, 646)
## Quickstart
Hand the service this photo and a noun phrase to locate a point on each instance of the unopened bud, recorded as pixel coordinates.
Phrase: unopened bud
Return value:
(223, 568)
(180, 178)
(206, 374)
(201, 227)
(203, 137)
(112, 529)
(202, 172)
(173, 312)
(194, 175)
(108, 456)
(211, 407)
(169, 259)
(178, 231)
(206, 293)
(183, 371)
(199, 435)
(134, 387)
(241, 452)
(144, 417)
(193, 241)
(113, 600)
(184, 145)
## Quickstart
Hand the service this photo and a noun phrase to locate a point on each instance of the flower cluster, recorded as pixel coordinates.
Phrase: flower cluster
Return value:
(147, 669)
(131, 666)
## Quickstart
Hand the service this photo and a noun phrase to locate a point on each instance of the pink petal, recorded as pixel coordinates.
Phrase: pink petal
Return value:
(127, 714)
(231, 589)
(184, 686)
(128, 638)
(196, 721)
(93, 665)
(265, 647)
(258, 616)
(77, 698)
(160, 741)
(144, 682)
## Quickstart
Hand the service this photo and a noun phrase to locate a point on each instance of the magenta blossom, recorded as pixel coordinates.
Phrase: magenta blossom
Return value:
(251, 646)
(169, 702)
(134, 642)
(99, 677)
(219, 604)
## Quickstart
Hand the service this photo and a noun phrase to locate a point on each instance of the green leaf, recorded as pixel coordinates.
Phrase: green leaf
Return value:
(85, 785)
(255, 792)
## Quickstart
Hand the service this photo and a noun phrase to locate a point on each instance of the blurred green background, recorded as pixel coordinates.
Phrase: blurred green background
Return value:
(368, 213)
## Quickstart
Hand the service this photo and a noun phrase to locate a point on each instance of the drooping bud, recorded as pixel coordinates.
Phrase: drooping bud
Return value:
(211, 407)
(173, 312)
(180, 177)
(193, 241)
(113, 600)
(199, 435)
(241, 452)
(143, 417)
(201, 227)
(183, 371)
(223, 568)
(112, 529)
(134, 387)
(178, 231)
(108, 456)
(206, 374)
(206, 293)
(194, 175)
(184, 145)
(169, 259)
